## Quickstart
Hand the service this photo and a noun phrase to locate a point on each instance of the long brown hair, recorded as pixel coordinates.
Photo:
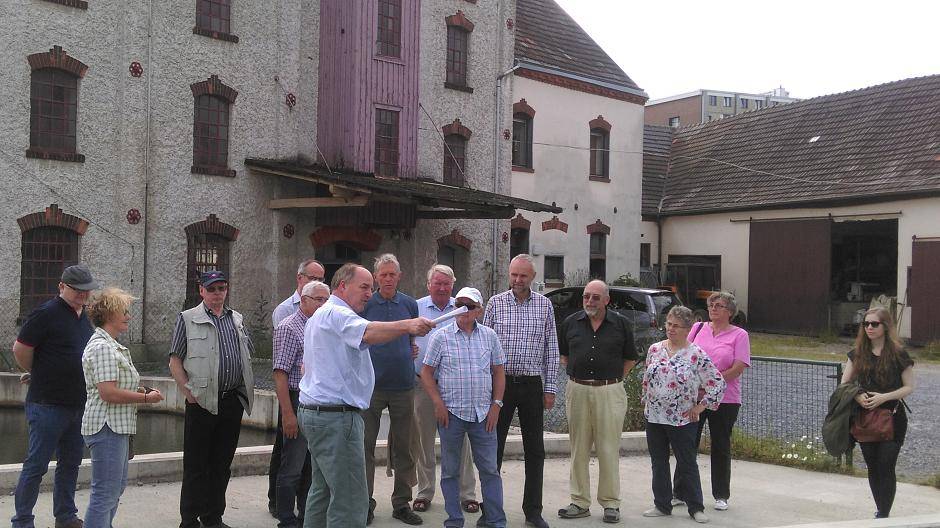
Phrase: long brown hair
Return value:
(868, 366)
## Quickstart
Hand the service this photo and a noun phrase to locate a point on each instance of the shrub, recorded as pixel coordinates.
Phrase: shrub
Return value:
(626, 280)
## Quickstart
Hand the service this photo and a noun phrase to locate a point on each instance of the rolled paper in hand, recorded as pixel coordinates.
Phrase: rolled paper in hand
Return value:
(450, 315)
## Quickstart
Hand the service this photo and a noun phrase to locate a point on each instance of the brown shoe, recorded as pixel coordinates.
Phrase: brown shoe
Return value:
(74, 522)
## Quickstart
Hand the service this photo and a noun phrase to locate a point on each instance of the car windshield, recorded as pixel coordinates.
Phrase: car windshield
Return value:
(664, 302)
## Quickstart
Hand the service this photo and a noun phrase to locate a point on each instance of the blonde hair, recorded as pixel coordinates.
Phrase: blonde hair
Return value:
(108, 303)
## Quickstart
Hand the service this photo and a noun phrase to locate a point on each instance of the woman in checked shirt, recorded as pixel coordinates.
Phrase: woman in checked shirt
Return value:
(680, 382)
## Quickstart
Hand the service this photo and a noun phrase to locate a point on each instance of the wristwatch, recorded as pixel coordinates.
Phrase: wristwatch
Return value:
(499, 402)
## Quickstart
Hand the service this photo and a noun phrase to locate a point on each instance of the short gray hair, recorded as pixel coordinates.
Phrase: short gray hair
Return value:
(683, 314)
(314, 285)
(386, 258)
(443, 269)
(304, 264)
(525, 257)
(346, 273)
(728, 297)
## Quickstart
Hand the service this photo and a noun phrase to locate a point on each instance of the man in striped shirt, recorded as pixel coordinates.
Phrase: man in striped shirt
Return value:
(210, 359)
(525, 323)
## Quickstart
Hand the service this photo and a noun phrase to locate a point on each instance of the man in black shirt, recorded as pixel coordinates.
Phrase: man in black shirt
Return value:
(596, 346)
(50, 346)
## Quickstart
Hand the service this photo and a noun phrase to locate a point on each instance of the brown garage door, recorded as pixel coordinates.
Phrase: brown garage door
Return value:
(925, 291)
(788, 276)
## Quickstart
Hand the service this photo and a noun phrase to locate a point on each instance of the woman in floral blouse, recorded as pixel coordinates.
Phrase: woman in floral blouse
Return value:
(111, 382)
(679, 383)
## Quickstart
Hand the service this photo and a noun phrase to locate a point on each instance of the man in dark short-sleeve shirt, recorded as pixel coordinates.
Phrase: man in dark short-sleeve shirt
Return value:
(49, 347)
(596, 346)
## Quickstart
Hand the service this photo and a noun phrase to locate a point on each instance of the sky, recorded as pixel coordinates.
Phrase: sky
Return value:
(810, 48)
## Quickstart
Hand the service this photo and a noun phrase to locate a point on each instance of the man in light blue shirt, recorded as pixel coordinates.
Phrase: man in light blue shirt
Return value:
(337, 385)
(437, 303)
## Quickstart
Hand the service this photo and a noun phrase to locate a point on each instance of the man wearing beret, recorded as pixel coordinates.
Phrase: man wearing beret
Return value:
(210, 359)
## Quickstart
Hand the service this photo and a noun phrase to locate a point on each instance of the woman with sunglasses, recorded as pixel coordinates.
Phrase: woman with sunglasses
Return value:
(885, 375)
(111, 383)
(729, 347)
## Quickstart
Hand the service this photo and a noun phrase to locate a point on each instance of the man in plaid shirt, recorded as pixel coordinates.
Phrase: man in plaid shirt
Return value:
(293, 475)
(525, 323)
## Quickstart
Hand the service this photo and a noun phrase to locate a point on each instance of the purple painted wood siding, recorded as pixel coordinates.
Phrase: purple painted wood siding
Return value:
(353, 81)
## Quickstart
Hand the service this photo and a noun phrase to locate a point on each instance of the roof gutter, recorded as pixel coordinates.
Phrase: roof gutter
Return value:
(562, 73)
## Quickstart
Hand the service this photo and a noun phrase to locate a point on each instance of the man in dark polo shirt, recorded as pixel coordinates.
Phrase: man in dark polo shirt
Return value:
(596, 346)
(49, 347)
(393, 363)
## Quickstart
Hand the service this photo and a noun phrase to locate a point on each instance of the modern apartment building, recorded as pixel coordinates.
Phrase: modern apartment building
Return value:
(702, 106)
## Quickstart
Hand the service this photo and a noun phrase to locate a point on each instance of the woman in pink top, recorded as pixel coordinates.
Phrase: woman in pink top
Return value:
(730, 350)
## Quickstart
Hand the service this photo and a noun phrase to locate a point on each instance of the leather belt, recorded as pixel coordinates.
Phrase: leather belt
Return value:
(596, 383)
(330, 408)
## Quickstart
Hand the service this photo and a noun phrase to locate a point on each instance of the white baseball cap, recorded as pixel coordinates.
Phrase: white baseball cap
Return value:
(470, 293)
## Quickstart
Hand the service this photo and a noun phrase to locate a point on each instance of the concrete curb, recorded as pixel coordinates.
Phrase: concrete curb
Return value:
(168, 467)
(915, 521)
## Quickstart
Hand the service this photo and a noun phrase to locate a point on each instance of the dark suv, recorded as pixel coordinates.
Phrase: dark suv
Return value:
(645, 307)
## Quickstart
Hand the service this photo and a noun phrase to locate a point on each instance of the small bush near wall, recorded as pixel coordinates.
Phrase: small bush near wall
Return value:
(626, 280)
(635, 421)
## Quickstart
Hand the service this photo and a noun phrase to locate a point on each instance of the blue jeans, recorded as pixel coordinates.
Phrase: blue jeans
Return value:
(338, 492)
(659, 438)
(53, 430)
(483, 447)
(108, 476)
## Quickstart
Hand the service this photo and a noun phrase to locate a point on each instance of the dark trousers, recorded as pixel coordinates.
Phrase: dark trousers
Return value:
(525, 394)
(659, 438)
(209, 442)
(275, 465)
(720, 424)
(293, 477)
(881, 458)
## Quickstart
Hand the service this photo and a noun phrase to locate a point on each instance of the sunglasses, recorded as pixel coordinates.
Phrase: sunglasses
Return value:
(873, 324)
(213, 289)
(470, 306)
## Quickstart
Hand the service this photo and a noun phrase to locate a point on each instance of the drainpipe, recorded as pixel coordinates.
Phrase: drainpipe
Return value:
(143, 293)
(497, 98)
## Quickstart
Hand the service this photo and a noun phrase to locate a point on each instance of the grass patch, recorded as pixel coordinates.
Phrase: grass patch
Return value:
(934, 480)
(832, 348)
(930, 352)
(807, 453)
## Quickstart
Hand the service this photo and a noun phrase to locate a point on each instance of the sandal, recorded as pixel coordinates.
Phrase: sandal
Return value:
(421, 505)
(470, 506)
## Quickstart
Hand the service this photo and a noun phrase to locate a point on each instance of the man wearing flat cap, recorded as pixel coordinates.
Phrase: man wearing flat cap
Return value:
(210, 359)
(49, 347)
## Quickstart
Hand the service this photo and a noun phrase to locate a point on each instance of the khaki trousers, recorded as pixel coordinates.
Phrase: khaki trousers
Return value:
(401, 424)
(595, 419)
(422, 445)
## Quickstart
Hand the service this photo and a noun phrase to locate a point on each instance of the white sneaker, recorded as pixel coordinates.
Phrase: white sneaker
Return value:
(700, 517)
(678, 502)
(721, 504)
(654, 512)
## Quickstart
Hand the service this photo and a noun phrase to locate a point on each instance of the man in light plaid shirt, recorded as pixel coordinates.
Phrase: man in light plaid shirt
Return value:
(293, 475)
(525, 323)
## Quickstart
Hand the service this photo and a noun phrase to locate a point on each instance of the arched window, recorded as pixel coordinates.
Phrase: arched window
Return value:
(458, 51)
(208, 247)
(211, 102)
(522, 140)
(598, 265)
(455, 149)
(53, 105)
(600, 153)
(518, 241)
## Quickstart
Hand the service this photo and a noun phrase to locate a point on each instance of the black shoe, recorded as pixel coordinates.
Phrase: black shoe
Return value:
(407, 516)
(536, 521)
(371, 515)
(272, 509)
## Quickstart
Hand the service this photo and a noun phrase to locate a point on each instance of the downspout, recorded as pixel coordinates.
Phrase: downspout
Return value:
(143, 293)
(497, 98)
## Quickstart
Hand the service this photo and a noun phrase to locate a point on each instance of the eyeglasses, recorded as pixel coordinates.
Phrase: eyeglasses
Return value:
(320, 299)
(873, 324)
(219, 288)
(73, 288)
(716, 305)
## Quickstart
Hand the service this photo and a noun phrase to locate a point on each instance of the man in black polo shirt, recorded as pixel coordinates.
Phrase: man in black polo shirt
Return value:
(50, 346)
(596, 346)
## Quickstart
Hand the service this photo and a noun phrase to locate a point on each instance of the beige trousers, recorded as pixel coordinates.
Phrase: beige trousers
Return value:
(595, 419)
(422, 445)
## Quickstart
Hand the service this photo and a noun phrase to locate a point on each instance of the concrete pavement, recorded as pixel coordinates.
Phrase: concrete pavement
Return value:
(762, 495)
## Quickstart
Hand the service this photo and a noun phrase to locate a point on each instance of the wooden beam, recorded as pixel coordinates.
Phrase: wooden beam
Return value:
(288, 203)
(446, 214)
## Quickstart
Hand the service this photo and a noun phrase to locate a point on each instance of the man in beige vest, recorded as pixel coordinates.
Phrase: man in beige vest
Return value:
(210, 359)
